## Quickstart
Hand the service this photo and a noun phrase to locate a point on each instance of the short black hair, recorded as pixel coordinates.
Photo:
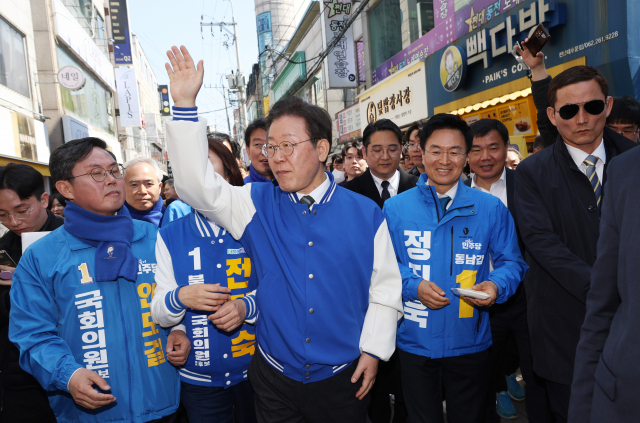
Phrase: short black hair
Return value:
(380, 125)
(482, 127)
(59, 197)
(353, 144)
(445, 121)
(575, 75)
(22, 179)
(337, 158)
(625, 111)
(318, 123)
(417, 125)
(538, 142)
(65, 157)
(169, 181)
(256, 124)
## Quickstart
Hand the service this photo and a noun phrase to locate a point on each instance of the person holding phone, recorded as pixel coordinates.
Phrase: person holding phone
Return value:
(23, 208)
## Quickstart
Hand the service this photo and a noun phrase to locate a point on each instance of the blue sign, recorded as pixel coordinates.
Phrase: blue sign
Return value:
(121, 34)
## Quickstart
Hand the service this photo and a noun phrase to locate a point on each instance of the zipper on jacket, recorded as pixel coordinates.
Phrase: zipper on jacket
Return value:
(451, 267)
(126, 346)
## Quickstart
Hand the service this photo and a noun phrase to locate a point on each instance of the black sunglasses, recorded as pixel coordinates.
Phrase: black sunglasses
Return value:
(593, 107)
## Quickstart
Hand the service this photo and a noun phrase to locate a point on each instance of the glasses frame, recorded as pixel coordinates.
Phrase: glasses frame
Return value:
(559, 111)
(398, 152)
(104, 175)
(281, 149)
(8, 219)
(415, 146)
(448, 153)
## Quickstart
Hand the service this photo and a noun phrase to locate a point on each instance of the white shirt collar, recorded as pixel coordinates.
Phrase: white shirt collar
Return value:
(319, 192)
(579, 156)
(394, 181)
(451, 193)
(503, 179)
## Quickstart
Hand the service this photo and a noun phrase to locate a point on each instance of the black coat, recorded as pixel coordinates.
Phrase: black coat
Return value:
(11, 374)
(548, 130)
(607, 374)
(558, 220)
(364, 185)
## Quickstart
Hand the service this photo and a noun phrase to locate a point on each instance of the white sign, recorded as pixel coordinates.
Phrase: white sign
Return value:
(71, 78)
(76, 38)
(348, 121)
(401, 98)
(128, 100)
(342, 59)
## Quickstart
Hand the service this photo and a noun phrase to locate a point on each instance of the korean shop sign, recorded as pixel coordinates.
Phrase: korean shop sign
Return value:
(342, 59)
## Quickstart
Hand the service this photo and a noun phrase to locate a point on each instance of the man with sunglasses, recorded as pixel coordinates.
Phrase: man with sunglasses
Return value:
(23, 208)
(81, 302)
(558, 200)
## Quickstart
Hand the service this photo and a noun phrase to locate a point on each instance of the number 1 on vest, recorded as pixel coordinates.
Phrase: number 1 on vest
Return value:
(84, 272)
(196, 258)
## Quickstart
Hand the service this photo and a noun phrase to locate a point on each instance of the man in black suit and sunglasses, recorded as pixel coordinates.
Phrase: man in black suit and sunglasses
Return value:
(558, 199)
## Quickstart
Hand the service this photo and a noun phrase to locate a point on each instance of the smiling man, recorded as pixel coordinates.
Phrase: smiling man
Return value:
(321, 329)
(558, 200)
(445, 236)
(143, 183)
(256, 137)
(81, 298)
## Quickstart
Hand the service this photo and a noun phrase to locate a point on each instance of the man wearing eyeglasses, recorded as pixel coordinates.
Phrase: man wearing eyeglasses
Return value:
(625, 117)
(445, 235)
(81, 302)
(414, 154)
(558, 199)
(328, 311)
(23, 208)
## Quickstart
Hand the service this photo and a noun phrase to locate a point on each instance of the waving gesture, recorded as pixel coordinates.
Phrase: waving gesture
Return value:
(536, 63)
(184, 77)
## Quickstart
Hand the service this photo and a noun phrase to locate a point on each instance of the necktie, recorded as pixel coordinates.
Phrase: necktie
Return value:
(308, 200)
(443, 202)
(590, 163)
(385, 191)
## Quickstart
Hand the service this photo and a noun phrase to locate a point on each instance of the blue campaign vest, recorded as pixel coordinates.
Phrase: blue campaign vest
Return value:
(107, 326)
(217, 358)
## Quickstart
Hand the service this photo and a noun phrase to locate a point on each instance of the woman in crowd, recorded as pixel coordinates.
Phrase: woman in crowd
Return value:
(57, 203)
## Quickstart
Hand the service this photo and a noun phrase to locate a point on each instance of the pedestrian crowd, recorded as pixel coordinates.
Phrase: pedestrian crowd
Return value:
(407, 277)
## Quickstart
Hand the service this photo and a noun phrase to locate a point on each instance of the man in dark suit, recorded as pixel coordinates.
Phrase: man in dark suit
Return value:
(382, 150)
(508, 320)
(607, 375)
(381, 181)
(558, 197)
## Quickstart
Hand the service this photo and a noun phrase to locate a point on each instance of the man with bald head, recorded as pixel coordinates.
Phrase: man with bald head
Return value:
(143, 184)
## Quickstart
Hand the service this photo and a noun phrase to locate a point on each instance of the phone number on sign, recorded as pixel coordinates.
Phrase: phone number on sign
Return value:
(588, 44)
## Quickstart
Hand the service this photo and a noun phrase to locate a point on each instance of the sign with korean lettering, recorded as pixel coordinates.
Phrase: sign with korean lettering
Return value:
(402, 98)
(348, 122)
(128, 99)
(121, 33)
(71, 78)
(265, 39)
(341, 60)
(452, 68)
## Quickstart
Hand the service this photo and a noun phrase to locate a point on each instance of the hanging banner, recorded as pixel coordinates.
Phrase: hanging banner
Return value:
(342, 59)
(128, 100)
(265, 39)
(121, 33)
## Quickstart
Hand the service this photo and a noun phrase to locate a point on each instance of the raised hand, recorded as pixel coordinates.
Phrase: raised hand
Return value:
(184, 78)
(536, 63)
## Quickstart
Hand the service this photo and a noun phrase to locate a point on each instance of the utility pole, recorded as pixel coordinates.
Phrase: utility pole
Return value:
(242, 103)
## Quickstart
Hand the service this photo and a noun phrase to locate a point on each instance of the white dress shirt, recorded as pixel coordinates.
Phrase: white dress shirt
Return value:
(497, 189)
(394, 183)
(317, 193)
(451, 194)
(578, 157)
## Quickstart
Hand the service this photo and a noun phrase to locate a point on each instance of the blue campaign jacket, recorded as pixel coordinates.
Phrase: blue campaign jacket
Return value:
(175, 211)
(453, 251)
(62, 320)
(217, 358)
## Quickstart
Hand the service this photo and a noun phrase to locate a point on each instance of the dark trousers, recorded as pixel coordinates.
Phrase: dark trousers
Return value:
(388, 382)
(172, 418)
(558, 395)
(206, 404)
(280, 399)
(464, 378)
(509, 322)
(26, 405)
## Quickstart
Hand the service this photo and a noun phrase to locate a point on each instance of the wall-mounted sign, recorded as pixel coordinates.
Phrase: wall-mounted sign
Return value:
(342, 59)
(291, 78)
(76, 38)
(452, 67)
(71, 78)
(121, 34)
(348, 123)
(73, 129)
(401, 98)
(128, 100)
(265, 39)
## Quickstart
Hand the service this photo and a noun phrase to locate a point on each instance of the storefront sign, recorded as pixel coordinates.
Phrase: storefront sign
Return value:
(291, 77)
(265, 104)
(121, 34)
(71, 78)
(515, 116)
(73, 129)
(265, 38)
(452, 67)
(342, 59)
(360, 55)
(128, 100)
(449, 27)
(76, 38)
(348, 122)
(401, 98)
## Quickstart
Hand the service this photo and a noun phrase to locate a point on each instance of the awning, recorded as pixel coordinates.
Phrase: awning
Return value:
(40, 167)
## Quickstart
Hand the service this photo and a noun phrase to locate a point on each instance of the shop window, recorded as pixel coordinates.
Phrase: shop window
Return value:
(385, 22)
(91, 104)
(27, 137)
(420, 18)
(13, 60)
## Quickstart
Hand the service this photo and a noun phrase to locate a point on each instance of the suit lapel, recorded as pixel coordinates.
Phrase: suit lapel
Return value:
(369, 187)
(510, 177)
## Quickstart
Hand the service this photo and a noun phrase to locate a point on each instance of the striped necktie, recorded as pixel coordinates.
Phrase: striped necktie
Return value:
(308, 200)
(590, 163)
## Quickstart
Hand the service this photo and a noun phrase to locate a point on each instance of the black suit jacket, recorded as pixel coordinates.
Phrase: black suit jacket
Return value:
(607, 375)
(558, 220)
(364, 185)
